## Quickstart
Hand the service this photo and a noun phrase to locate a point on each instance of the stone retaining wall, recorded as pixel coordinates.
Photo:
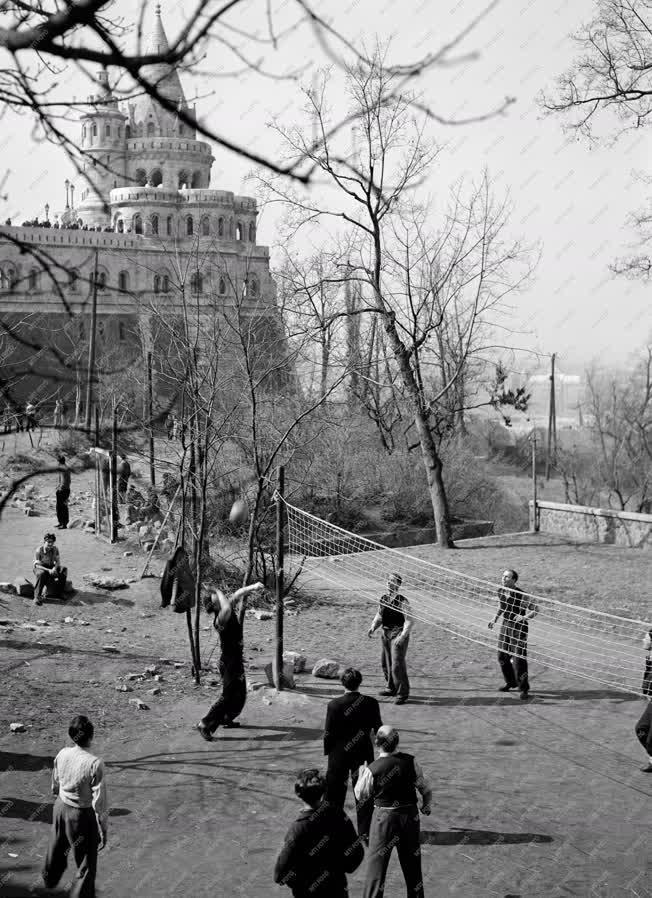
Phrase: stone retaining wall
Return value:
(597, 525)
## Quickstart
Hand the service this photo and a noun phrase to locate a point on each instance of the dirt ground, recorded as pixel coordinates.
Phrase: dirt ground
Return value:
(535, 800)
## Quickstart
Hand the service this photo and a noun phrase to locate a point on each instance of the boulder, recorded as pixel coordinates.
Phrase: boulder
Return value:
(296, 659)
(327, 669)
(106, 582)
(8, 587)
(139, 703)
(17, 727)
(262, 615)
(287, 677)
(24, 588)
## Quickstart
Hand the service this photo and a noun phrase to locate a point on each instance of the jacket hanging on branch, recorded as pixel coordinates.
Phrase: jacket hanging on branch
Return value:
(178, 583)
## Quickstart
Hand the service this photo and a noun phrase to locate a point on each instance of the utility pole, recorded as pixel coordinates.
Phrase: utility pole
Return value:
(277, 668)
(115, 514)
(552, 421)
(535, 513)
(150, 415)
(91, 353)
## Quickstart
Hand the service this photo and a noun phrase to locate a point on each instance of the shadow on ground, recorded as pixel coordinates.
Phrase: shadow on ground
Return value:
(481, 837)
(35, 812)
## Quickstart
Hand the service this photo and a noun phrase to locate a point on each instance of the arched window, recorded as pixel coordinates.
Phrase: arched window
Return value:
(157, 284)
(252, 285)
(231, 228)
(222, 287)
(150, 129)
(189, 226)
(107, 130)
(196, 283)
(169, 226)
(196, 179)
(3, 280)
(182, 129)
(12, 279)
(73, 277)
(127, 131)
(238, 231)
(220, 227)
(120, 226)
(119, 130)
(166, 284)
(84, 133)
(33, 279)
(138, 224)
(156, 178)
(252, 232)
(100, 280)
(155, 224)
(121, 331)
(80, 329)
(94, 130)
(123, 281)
(140, 177)
(183, 179)
(101, 330)
(205, 226)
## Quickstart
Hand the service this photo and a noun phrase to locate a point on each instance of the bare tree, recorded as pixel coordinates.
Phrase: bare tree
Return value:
(374, 186)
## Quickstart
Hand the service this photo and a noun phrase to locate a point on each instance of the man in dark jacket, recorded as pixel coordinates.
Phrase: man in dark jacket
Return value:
(321, 846)
(393, 781)
(351, 721)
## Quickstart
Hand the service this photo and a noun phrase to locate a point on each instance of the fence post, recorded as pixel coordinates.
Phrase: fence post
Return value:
(278, 654)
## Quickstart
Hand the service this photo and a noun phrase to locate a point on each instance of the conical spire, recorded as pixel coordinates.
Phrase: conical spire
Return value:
(162, 75)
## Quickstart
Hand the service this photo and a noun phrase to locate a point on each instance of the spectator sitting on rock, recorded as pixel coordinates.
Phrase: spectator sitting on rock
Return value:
(50, 576)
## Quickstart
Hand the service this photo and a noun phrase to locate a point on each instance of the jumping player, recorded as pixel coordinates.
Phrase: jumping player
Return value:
(516, 610)
(229, 619)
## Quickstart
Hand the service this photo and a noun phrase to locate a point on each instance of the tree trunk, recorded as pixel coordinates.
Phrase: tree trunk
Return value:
(431, 459)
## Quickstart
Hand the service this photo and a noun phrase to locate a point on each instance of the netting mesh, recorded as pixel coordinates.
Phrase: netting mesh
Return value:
(594, 645)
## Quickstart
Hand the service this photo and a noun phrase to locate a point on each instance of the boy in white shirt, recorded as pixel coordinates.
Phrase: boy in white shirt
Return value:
(79, 819)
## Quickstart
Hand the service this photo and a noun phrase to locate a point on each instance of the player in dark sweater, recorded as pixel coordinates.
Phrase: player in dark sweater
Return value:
(229, 620)
(351, 720)
(321, 846)
(516, 610)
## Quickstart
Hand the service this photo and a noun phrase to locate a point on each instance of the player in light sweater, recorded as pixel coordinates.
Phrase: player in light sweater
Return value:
(79, 819)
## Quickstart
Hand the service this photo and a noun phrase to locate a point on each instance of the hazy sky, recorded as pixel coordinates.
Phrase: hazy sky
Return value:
(571, 197)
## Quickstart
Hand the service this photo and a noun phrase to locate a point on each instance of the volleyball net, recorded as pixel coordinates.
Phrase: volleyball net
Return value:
(594, 645)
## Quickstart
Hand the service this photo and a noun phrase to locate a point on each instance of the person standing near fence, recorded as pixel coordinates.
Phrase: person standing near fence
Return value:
(63, 494)
(123, 473)
(516, 610)
(81, 810)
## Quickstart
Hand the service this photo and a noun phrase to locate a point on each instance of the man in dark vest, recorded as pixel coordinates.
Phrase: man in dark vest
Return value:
(392, 781)
(351, 720)
(393, 616)
(228, 621)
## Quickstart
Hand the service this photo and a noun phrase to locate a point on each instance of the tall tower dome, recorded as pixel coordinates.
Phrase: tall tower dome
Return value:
(103, 142)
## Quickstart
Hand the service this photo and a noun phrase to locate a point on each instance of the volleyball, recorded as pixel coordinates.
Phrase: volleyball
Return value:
(239, 512)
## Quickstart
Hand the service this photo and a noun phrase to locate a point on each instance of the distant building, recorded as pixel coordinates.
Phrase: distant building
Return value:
(147, 214)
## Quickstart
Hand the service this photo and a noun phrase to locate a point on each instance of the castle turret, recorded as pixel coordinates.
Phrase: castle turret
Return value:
(104, 144)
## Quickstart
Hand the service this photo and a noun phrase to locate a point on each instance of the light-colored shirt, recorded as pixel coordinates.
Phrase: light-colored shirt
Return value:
(78, 780)
(364, 788)
(48, 557)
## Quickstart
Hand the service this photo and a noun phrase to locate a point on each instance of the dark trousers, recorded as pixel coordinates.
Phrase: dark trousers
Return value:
(53, 585)
(394, 828)
(63, 515)
(394, 663)
(232, 700)
(76, 830)
(514, 671)
(644, 730)
(338, 773)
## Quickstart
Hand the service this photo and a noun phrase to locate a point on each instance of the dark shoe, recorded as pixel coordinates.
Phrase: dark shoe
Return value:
(400, 699)
(647, 769)
(386, 692)
(525, 695)
(506, 688)
(203, 732)
(37, 600)
(231, 724)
